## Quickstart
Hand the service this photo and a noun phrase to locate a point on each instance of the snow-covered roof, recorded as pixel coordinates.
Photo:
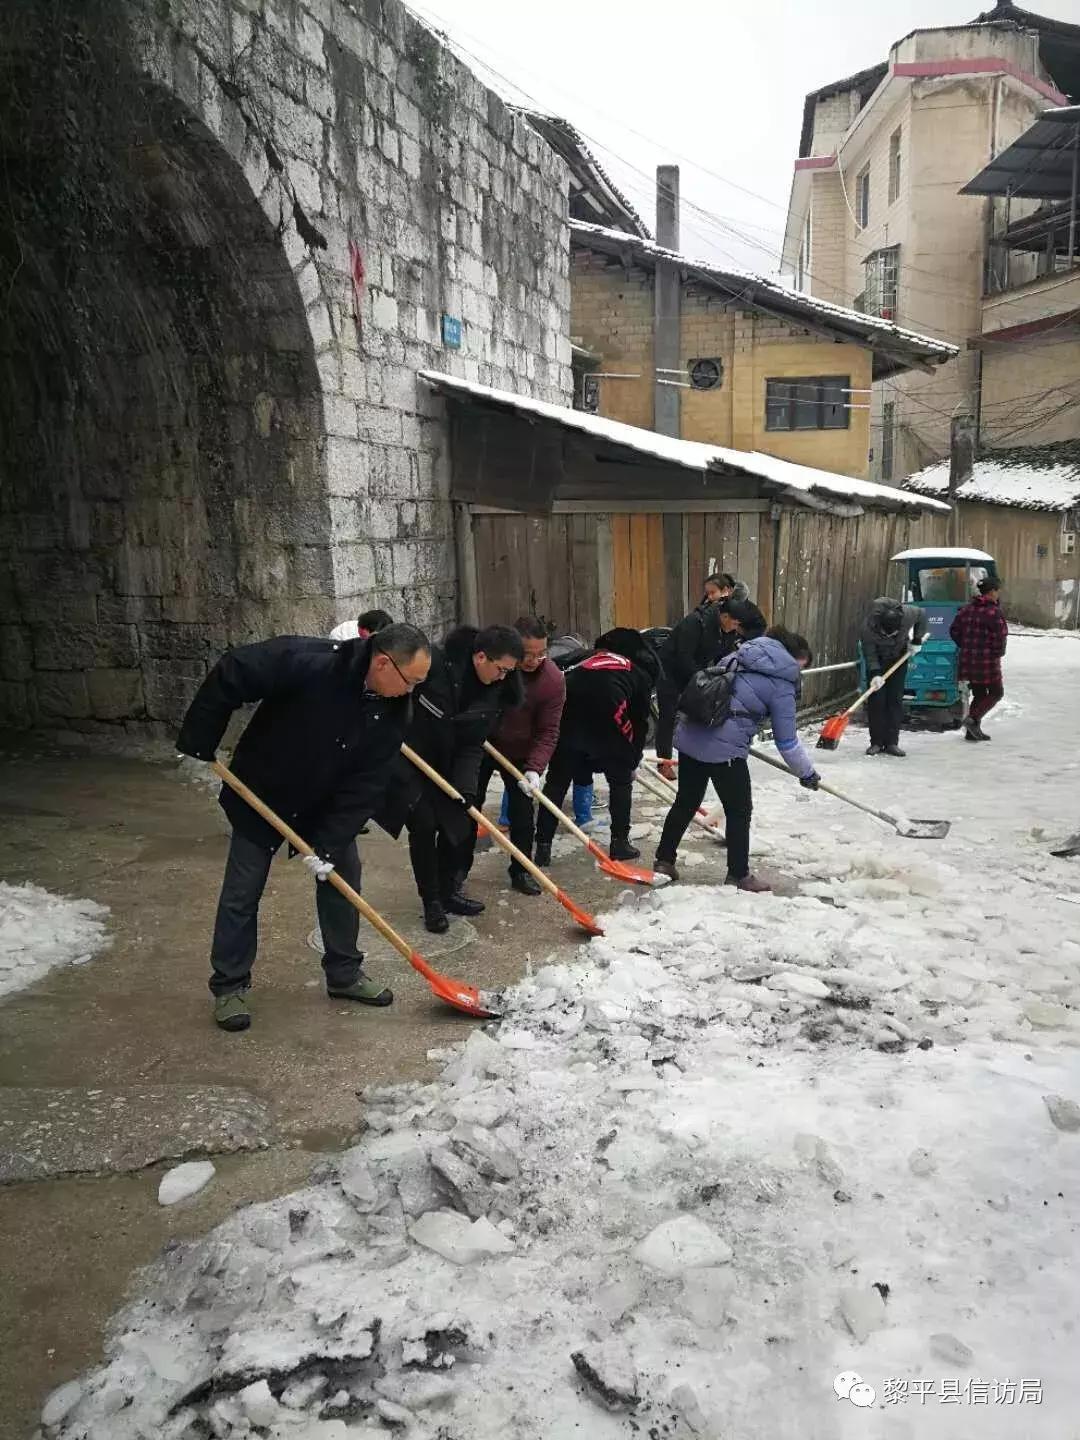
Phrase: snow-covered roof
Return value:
(1028, 477)
(596, 188)
(903, 347)
(796, 482)
(943, 552)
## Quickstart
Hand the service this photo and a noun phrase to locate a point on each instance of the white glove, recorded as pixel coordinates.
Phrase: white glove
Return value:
(530, 784)
(877, 683)
(320, 868)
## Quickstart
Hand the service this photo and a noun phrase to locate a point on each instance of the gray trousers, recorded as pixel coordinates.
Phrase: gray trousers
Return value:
(232, 952)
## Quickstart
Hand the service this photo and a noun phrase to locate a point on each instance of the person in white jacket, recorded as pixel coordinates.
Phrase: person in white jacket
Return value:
(363, 626)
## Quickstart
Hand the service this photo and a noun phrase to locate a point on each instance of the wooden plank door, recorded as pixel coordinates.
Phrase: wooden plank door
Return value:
(731, 541)
(637, 554)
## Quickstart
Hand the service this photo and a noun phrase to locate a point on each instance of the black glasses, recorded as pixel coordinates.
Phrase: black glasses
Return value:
(410, 685)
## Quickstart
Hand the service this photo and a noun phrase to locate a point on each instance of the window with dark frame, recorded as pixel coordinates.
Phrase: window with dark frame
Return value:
(862, 199)
(882, 269)
(894, 166)
(812, 402)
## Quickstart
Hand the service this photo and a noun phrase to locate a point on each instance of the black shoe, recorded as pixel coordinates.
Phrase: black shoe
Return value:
(621, 849)
(895, 751)
(973, 731)
(542, 854)
(460, 904)
(523, 883)
(435, 917)
(875, 749)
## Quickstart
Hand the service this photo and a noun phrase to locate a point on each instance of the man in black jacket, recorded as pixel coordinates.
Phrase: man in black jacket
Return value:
(604, 723)
(319, 751)
(471, 683)
(696, 641)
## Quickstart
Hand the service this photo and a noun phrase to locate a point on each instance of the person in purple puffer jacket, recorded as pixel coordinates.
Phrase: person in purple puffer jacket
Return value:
(768, 672)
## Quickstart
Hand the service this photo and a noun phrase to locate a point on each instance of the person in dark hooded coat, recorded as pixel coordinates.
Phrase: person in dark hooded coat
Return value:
(698, 640)
(604, 723)
(471, 684)
(888, 631)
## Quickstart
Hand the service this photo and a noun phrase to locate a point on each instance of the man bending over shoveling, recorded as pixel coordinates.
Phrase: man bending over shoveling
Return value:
(319, 751)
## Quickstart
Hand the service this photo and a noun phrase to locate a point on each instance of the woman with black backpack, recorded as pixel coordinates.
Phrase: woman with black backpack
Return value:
(759, 684)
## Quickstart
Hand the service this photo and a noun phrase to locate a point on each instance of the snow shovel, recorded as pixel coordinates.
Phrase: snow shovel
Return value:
(481, 1003)
(664, 790)
(581, 917)
(832, 732)
(617, 869)
(909, 829)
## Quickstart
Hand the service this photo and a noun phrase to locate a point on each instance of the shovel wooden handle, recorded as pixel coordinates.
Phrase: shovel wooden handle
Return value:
(867, 693)
(374, 919)
(511, 769)
(481, 819)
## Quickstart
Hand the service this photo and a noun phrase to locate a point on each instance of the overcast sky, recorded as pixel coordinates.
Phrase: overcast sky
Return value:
(717, 88)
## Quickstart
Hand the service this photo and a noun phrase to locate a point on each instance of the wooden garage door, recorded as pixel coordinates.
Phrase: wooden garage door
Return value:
(637, 567)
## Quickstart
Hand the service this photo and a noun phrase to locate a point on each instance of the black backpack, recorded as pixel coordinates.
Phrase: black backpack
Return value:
(708, 695)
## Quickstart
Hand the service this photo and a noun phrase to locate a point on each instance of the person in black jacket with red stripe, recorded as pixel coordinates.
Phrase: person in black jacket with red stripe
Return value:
(604, 724)
(320, 751)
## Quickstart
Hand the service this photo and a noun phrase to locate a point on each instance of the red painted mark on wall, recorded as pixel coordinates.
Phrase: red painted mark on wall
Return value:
(356, 270)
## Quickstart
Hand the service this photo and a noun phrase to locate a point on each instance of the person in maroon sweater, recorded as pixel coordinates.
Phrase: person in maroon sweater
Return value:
(527, 735)
(980, 633)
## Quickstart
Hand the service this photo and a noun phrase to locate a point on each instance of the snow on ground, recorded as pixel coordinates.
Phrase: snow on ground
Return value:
(735, 1149)
(39, 931)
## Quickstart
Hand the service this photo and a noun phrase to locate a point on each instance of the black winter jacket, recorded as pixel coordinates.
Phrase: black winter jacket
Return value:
(319, 750)
(694, 643)
(607, 700)
(453, 714)
(887, 630)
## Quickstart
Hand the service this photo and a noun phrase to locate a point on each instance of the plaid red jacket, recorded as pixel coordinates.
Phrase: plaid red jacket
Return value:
(980, 632)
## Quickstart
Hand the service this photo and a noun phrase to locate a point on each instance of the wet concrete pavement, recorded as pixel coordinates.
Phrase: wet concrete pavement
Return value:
(135, 1021)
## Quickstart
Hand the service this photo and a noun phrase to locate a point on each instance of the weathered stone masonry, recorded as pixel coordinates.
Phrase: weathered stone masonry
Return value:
(232, 231)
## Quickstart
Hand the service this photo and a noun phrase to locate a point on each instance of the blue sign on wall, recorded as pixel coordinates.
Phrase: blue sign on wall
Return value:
(451, 332)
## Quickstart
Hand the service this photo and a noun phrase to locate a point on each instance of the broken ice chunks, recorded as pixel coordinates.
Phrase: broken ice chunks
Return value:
(684, 1243)
(183, 1181)
(1045, 1016)
(922, 1163)
(61, 1403)
(706, 1295)
(863, 1312)
(259, 1406)
(438, 1342)
(455, 1239)
(607, 1369)
(490, 1156)
(356, 1179)
(798, 984)
(1065, 1114)
(464, 1188)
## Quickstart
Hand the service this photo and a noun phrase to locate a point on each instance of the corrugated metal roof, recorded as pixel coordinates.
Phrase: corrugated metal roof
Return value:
(1038, 165)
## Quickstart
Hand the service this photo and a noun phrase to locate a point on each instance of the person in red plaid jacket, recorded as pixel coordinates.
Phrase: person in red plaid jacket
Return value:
(980, 633)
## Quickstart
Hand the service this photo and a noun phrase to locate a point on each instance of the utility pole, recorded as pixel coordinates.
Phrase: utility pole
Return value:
(961, 465)
(666, 301)
(667, 391)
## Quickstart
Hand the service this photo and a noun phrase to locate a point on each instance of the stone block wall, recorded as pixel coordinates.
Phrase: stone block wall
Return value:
(215, 428)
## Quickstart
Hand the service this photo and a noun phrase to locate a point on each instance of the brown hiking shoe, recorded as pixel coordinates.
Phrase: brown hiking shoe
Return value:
(666, 867)
(750, 883)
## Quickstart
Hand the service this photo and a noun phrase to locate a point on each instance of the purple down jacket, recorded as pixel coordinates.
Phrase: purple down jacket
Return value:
(765, 691)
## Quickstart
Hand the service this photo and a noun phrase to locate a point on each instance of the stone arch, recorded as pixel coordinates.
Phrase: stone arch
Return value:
(162, 469)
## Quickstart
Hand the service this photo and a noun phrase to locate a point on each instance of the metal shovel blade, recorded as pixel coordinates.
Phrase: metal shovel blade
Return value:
(922, 829)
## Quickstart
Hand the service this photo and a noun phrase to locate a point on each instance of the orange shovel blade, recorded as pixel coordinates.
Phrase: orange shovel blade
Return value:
(581, 917)
(620, 870)
(456, 993)
(832, 732)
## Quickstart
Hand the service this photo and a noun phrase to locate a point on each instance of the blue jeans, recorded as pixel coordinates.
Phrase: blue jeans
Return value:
(583, 802)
